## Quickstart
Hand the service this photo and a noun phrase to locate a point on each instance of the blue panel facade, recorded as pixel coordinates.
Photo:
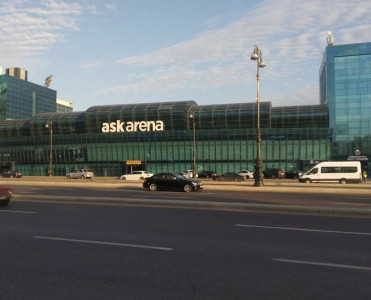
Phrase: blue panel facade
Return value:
(345, 86)
(23, 99)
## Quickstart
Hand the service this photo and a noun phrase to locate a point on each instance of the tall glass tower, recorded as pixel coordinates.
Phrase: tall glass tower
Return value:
(345, 86)
(20, 98)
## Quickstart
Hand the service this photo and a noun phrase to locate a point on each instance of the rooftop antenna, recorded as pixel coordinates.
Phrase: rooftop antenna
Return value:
(48, 81)
(330, 38)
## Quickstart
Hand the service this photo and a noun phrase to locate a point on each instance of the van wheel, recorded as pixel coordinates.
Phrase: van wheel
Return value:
(153, 187)
(343, 181)
(307, 180)
(187, 188)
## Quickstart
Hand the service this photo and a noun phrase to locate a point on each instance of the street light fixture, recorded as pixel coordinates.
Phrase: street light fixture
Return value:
(49, 125)
(194, 167)
(258, 170)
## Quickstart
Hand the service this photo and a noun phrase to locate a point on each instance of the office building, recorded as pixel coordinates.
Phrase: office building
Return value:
(20, 98)
(345, 87)
(64, 106)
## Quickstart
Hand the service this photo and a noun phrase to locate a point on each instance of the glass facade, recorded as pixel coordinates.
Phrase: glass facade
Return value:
(345, 86)
(23, 99)
(116, 139)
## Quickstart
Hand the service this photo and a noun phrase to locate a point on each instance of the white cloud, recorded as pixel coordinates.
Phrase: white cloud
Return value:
(291, 34)
(28, 29)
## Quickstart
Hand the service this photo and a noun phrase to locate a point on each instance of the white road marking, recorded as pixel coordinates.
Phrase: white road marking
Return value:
(322, 264)
(102, 243)
(359, 204)
(17, 211)
(305, 229)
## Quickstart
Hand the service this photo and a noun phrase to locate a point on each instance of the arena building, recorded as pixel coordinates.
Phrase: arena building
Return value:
(170, 136)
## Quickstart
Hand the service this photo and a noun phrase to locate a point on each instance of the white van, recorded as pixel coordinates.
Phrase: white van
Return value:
(334, 171)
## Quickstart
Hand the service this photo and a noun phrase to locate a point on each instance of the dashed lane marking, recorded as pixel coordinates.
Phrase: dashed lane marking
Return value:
(323, 264)
(304, 229)
(102, 243)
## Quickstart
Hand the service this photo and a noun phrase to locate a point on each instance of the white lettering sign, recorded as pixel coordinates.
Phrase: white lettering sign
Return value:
(144, 126)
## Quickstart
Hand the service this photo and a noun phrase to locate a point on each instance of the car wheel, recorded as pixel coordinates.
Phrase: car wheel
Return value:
(5, 202)
(187, 188)
(69, 177)
(141, 178)
(273, 176)
(123, 178)
(82, 177)
(153, 187)
(307, 180)
(343, 181)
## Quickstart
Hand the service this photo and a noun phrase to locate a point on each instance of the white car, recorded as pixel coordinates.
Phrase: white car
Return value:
(136, 175)
(81, 174)
(247, 174)
(188, 174)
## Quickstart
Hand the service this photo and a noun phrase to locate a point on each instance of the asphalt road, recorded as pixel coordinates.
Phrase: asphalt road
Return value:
(81, 251)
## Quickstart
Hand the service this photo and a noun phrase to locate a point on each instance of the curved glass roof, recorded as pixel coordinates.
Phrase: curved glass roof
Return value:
(175, 115)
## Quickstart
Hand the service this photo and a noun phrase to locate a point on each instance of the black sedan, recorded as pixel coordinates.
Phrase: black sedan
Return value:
(230, 176)
(171, 181)
(12, 174)
(207, 174)
(294, 174)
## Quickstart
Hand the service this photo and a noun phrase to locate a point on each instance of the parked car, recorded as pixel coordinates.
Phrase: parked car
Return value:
(294, 174)
(188, 174)
(207, 174)
(136, 175)
(5, 194)
(248, 174)
(12, 174)
(230, 176)
(182, 174)
(80, 173)
(171, 181)
(274, 173)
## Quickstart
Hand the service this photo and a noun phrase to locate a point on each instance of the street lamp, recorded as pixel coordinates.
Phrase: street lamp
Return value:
(194, 168)
(258, 170)
(49, 125)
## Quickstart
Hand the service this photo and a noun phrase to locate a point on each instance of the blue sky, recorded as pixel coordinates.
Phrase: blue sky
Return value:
(139, 51)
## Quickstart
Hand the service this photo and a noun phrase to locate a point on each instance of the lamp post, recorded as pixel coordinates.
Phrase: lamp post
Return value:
(49, 125)
(258, 170)
(194, 168)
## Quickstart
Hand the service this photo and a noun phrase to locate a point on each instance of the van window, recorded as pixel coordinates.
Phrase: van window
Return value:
(348, 169)
(313, 171)
(338, 169)
(330, 170)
